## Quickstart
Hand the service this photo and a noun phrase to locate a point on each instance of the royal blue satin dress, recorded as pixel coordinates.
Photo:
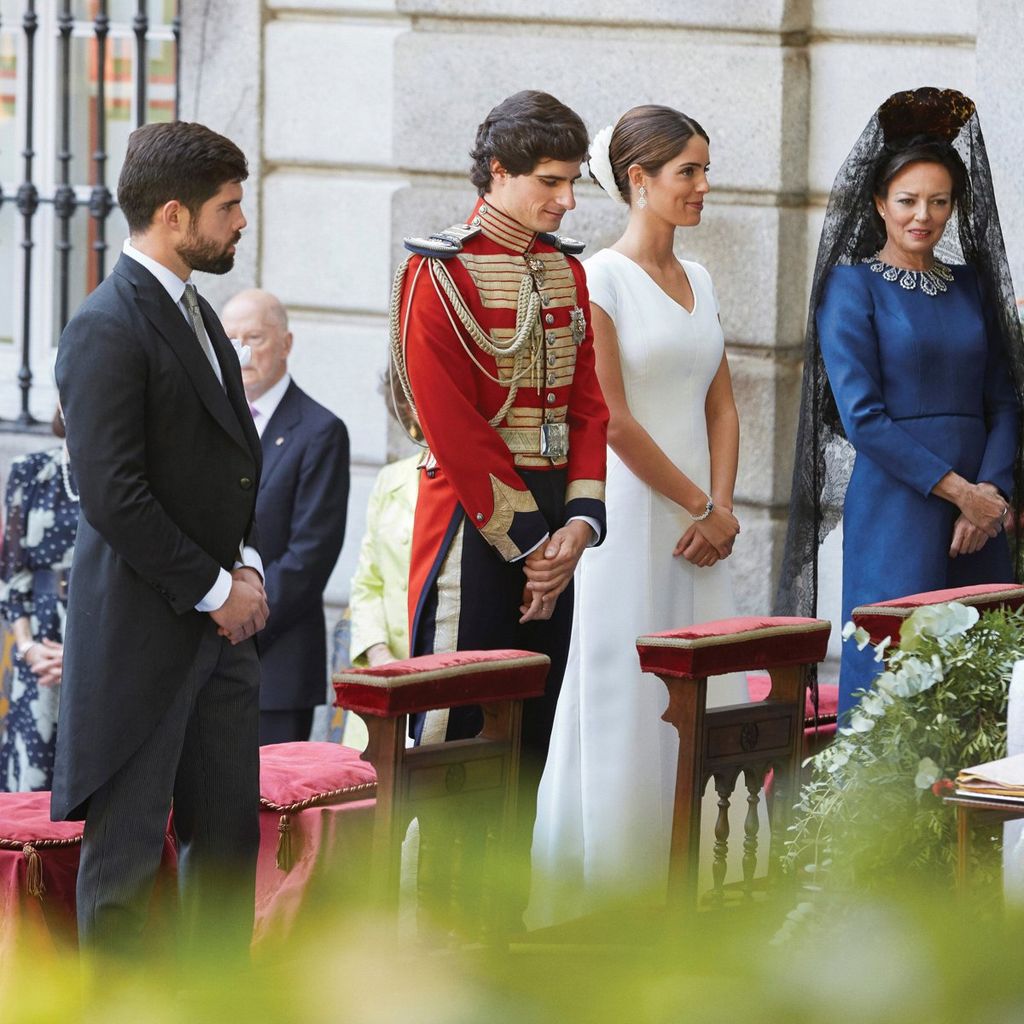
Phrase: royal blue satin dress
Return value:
(922, 386)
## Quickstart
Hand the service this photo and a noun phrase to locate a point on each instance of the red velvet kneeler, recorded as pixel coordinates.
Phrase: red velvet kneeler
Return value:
(316, 812)
(427, 781)
(441, 681)
(743, 739)
(38, 872)
(884, 618)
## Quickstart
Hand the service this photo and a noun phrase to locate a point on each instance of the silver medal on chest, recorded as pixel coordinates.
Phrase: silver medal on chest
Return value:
(577, 325)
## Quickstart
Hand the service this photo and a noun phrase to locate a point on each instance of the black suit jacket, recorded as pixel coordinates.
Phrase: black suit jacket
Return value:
(167, 463)
(301, 511)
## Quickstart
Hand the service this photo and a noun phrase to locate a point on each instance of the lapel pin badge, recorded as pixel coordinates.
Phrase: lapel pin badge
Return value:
(279, 440)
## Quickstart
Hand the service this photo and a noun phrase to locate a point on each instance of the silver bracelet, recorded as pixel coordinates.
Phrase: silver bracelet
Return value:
(708, 509)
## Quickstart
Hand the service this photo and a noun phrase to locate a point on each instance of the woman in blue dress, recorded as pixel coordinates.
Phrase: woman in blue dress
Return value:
(39, 536)
(914, 359)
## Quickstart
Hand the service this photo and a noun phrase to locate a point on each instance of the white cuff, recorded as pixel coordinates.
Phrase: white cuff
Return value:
(593, 524)
(250, 558)
(543, 540)
(217, 594)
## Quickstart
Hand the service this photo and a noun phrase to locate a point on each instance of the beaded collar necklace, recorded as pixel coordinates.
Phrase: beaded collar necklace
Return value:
(65, 472)
(931, 282)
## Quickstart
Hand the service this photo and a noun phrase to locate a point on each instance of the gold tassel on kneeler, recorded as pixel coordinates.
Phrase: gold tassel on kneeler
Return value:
(284, 843)
(34, 874)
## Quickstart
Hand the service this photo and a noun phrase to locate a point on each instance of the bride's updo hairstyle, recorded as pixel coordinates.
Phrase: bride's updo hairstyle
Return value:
(649, 135)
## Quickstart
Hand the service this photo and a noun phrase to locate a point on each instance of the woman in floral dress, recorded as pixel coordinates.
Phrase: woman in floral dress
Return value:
(39, 536)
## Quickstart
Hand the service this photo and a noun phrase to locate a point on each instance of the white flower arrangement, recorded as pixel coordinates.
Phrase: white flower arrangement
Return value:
(873, 806)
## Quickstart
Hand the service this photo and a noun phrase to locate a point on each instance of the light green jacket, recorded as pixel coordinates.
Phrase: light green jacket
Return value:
(379, 598)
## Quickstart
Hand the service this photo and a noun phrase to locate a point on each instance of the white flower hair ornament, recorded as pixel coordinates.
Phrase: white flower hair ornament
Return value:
(601, 165)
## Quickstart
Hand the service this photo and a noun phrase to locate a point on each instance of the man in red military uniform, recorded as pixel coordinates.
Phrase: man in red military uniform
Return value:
(491, 339)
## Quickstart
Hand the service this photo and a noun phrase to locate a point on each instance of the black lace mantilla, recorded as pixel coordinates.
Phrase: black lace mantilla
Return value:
(824, 457)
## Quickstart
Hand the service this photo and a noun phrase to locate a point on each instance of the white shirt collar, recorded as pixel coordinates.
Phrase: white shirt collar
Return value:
(173, 285)
(266, 405)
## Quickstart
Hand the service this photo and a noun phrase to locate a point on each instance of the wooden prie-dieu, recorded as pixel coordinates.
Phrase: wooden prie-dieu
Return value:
(883, 619)
(463, 793)
(725, 743)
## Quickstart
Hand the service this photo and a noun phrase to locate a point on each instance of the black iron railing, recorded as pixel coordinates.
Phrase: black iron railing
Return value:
(67, 196)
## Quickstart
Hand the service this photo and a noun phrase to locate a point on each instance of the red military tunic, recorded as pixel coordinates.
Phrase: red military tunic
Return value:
(456, 394)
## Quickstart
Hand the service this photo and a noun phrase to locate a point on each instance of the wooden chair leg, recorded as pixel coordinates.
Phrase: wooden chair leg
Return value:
(754, 781)
(685, 712)
(788, 685)
(725, 786)
(503, 724)
(385, 751)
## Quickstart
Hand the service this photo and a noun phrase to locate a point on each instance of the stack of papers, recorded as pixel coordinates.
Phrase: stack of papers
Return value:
(1003, 779)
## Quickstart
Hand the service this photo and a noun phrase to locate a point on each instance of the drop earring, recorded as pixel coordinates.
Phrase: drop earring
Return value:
(641, 197)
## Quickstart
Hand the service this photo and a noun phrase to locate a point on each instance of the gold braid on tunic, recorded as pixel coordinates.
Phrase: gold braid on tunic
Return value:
(527, 339)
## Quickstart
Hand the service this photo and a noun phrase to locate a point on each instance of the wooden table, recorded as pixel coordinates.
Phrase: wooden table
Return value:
(971, 812)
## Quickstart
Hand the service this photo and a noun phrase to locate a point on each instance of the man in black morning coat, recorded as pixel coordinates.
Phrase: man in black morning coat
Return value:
(300, 510)
(161, 676)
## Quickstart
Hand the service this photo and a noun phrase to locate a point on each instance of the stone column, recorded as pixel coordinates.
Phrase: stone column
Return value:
(221, 83)
(999, 97)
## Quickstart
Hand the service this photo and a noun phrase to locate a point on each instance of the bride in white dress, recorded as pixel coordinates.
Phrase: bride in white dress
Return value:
(604, 810)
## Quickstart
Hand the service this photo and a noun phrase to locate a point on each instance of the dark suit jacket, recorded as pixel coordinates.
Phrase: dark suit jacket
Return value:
(300, 510)
(167, 464)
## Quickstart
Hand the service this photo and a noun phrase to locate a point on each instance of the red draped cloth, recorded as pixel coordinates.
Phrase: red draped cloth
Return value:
(317, 803)
(38, 868)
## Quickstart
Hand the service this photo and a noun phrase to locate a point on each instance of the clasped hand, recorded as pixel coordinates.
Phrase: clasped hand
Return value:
(982, 516)
(46, 660)
(706, 542)
(245, 612)
(549, 569)
(379, 654)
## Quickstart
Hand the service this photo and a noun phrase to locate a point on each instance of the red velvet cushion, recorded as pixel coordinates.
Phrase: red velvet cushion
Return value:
(883, 618)
(38, 859)
(734, 645)
(441, 681)
(828, 698)
(298, 775)
(25, 818)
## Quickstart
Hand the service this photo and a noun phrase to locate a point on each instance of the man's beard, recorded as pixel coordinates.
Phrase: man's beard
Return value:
(203, 254)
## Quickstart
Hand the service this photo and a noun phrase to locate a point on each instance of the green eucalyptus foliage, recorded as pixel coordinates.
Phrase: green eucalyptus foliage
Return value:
(872, 816)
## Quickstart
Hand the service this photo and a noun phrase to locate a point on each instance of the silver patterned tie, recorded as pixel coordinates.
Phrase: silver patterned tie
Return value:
(192, 305)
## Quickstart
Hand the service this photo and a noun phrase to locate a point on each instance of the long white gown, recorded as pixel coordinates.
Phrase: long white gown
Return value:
(604, 812)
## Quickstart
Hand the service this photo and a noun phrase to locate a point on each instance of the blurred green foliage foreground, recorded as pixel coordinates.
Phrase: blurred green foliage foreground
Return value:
(875, 933)
(918, 957)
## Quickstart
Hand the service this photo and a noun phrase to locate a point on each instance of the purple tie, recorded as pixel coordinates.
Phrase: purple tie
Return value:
(253, 410)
